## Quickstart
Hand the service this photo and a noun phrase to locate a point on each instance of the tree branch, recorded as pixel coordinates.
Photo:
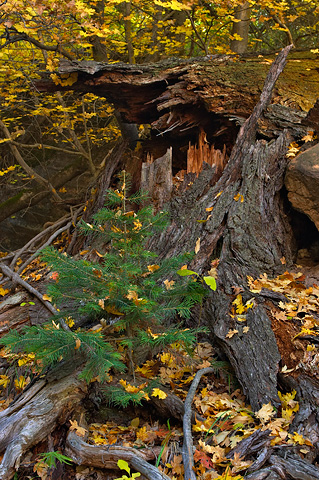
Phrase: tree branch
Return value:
(26, 167)
(48, 48)
(42, 145)
(187, 452)
(17, 279)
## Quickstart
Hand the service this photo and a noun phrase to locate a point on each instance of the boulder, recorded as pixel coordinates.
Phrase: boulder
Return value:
(302, 183)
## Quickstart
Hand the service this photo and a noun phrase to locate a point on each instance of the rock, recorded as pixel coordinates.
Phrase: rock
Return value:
(302, 183)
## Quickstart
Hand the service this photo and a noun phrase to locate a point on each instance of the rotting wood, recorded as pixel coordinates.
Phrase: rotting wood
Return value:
(204, 152)
(140, 91)
(156, 179)
(106, 456)
(33, 416)
(18, 280)
(243, 201)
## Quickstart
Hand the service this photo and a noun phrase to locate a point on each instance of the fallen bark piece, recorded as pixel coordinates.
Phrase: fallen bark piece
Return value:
(17, 279)
(34, 416)
(106, 456)
(295, 467)
(264, 474)
(252, 444)
(260, 460)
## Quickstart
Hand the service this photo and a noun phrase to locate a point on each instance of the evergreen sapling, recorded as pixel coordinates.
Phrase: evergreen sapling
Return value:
(126, 285)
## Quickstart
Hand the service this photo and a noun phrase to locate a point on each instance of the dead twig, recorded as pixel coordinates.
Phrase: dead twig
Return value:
(187, 452)
(50, 240)
(33, 174)
(17, 279)
(34, 240)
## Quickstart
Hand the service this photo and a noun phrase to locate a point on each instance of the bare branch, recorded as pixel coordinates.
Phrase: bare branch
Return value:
(26, 167)
(48, 48)
(187, 452)
(17, 279)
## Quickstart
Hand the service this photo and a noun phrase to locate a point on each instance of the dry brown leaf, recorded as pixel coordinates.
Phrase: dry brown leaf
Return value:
(78, 430)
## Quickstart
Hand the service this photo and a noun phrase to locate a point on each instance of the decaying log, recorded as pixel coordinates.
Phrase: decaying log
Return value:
(156, 178)
(33, 416)
(208, 97)
(247, 214)
(222, 84)
(106, 456)
(265, 474)
(295, 467)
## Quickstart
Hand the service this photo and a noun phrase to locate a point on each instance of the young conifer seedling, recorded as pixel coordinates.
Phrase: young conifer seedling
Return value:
(127, 286)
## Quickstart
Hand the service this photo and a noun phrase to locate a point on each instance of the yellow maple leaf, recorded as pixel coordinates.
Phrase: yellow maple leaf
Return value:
(98, 440)
(21, 382)
(167, 358)
(152, 268)
(308, 137)
(137, 225)
(26, 359)
(157, 392)
(299, 439)
(4, 380)
(47, 298)
(132, 295)
(3, 291)
(197, 246)
(169, 284)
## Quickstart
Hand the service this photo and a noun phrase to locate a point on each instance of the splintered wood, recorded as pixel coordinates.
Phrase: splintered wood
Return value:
(204, 152)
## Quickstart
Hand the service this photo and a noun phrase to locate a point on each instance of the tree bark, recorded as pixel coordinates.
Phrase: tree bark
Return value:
(241, 28)
(33, 416)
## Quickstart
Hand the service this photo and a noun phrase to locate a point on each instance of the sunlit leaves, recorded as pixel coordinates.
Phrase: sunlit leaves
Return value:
(157, 392)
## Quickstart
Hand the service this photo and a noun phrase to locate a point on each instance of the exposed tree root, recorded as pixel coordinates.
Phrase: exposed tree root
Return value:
(33, 416)
(188, 457)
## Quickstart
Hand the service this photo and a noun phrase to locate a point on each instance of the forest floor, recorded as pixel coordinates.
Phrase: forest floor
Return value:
(223, 420)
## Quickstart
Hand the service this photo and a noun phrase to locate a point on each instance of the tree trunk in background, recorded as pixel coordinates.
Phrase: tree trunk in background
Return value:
(241, 28)
(248, 218)
(128, 31)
